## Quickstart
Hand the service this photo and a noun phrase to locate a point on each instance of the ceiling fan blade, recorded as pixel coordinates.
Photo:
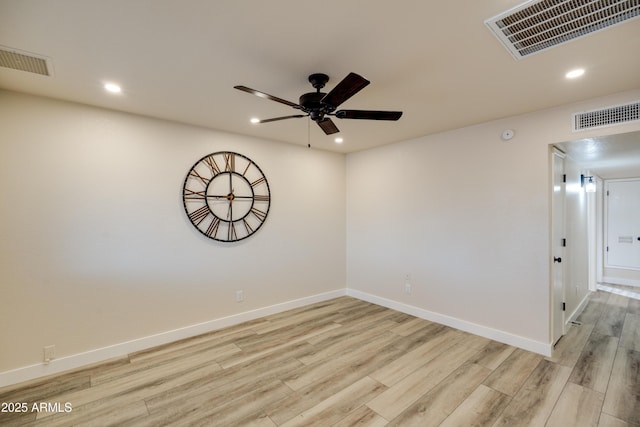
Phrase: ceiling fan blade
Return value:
(275, 119)
(266, 96)
(368, 114)
(344, 90)
(328, 126)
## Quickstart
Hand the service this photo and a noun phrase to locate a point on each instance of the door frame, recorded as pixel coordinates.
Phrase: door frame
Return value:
(556, 233)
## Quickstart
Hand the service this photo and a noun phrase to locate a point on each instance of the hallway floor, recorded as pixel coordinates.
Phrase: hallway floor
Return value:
(603, 349)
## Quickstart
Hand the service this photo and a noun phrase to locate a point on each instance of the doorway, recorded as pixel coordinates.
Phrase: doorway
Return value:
(605, 159)
(622, 230)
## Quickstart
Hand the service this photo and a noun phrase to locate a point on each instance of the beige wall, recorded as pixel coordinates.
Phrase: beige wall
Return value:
(467, 216)
(95, 247)
(621, 276)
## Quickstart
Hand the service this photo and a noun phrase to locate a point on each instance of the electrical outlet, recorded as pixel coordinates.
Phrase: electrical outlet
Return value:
(239, 296)
(407, 288)
(49, 352)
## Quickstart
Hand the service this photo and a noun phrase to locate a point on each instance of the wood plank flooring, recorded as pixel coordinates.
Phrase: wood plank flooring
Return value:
(347, 362)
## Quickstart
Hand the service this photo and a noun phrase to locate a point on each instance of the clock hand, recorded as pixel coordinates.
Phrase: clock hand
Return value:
(228, 196)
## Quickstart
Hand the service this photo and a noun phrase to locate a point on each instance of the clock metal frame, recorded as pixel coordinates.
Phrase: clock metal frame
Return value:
(226, 196)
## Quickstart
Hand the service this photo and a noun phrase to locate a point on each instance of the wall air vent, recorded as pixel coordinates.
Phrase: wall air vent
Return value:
(542, 24)
(610, 116)
(24, 61)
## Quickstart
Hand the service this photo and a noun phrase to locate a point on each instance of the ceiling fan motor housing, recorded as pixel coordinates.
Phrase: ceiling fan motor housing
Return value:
(312, 103)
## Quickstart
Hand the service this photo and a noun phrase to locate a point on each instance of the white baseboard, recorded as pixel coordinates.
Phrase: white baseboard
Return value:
(62, 364)
(544, 349)
(620, 281)
(578, 309)
(629, 293)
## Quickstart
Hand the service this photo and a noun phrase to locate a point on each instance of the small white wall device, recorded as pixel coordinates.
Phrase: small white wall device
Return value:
(507, 134)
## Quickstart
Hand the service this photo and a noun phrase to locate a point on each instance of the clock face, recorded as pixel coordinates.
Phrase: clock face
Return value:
(226, 196)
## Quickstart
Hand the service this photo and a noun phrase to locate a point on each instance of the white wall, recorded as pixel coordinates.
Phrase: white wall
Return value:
(467, 216)
(95, 247)
(620, 276)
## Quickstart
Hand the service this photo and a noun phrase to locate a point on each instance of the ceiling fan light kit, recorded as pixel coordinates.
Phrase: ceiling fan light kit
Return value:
(320, 106)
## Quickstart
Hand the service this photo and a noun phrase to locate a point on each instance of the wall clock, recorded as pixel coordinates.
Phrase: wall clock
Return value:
(226, 196)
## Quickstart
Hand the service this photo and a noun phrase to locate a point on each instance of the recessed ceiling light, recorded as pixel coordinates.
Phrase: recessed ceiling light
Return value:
(339, 140)
(112, 87)
(255, 120)
(575, 73)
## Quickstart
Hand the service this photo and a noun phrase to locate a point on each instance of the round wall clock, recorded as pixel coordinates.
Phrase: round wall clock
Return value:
(226, 196)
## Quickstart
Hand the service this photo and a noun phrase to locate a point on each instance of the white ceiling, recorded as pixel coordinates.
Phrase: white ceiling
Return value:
(609, 157)
(179, 60)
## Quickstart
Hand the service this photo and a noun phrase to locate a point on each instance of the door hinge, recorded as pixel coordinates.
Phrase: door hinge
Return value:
(607, 248)
(564, 306)
(564, 178)
(564, 243)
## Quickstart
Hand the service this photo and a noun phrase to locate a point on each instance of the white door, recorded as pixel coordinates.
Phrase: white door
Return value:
(623, 224)
(557, 246)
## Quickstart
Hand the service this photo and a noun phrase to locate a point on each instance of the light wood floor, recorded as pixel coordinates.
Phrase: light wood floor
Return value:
(346, 362)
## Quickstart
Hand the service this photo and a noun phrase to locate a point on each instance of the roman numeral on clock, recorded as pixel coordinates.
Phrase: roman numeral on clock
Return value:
(199, 214)
(232, 235)
(212, 229)
(261, 198)
(258, 181)
(230, 162)
(194, 195)
(194, 174)
(211, 162)
(247, 227)
(261, 215)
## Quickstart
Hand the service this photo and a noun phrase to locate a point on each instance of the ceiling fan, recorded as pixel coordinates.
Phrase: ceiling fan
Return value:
(319, 105)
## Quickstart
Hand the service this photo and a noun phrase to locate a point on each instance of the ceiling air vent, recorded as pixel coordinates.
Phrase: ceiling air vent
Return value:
(24, 61)
(610, 116)
(542, 24)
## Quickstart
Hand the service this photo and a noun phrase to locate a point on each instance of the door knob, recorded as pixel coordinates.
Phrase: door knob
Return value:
(557, 259)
